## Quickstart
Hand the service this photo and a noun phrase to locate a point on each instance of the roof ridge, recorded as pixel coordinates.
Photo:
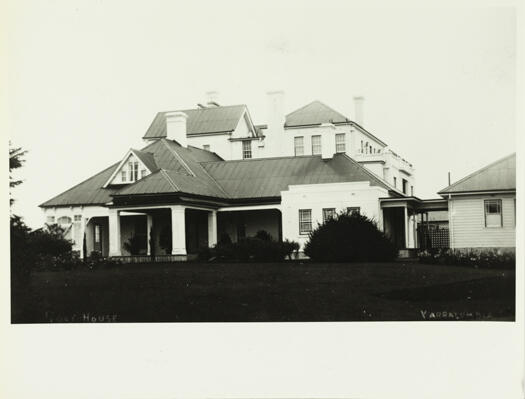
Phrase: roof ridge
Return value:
(205, 108)
(179, 158)
(215, 181)
(476, 172)
(169, 179)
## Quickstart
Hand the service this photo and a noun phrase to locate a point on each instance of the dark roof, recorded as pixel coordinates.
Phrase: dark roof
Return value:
(314, 113)
(498, 176)
(198, 172)
(267, 177)
(148, 159)
(201, 120)
(167, 155)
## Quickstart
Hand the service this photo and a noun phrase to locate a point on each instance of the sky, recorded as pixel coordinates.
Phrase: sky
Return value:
(86, 78)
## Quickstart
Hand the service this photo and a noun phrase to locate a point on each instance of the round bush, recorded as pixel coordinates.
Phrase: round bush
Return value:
(349, 238)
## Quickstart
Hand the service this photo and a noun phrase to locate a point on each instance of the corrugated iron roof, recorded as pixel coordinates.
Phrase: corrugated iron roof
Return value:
(500, 175)
(201, 120)
(199, 172)
(314, 113)
(267, 177)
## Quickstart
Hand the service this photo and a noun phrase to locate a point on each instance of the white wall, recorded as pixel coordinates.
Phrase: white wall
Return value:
(332, 195)
(467, 222)
(77, 232)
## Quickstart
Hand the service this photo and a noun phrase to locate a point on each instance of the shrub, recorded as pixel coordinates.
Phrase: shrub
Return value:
(261, 248)
(135, 244)
(349, 237)
(472, 258)
(49, 241)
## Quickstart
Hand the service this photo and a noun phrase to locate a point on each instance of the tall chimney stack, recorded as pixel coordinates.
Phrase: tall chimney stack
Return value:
(176, 127)
(275, 121)
(359, 109)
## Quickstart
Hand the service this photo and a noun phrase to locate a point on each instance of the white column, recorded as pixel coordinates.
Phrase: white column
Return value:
(212, 228)
(178, 230)
(414, 223)
(407, 236)
(114, 233)
(149, 236)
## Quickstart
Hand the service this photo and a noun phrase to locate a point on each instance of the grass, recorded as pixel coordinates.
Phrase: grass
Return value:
(194, 292)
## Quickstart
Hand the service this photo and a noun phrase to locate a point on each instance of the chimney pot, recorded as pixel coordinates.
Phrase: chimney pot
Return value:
(212, 98)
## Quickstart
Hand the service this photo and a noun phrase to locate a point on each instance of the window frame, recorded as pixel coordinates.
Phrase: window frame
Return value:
(328, 213)
(352, 209)
(343, 143)
(295, 146)
(499, 203)
(247, 149)
(316, 136)
(77, 218)
(123, 176)
(305, 221)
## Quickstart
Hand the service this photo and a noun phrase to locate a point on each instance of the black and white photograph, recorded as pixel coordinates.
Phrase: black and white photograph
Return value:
(199, 166)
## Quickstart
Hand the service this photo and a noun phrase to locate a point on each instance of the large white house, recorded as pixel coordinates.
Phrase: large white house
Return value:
(209, 171)
(482, 208)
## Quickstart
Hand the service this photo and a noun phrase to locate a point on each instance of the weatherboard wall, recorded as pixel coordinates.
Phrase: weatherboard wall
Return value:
(467, 222)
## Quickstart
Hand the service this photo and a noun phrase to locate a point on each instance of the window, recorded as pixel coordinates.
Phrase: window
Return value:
(328, 213)
(404, 183)
(78, 218)
(412, 191)
(133, 168)
(97, 233)
(50, 219)
(64, 220)
(362, 147)
(316, 145)
(340, 142)
(305, 221)
(493, 213)
(123, 175)
(143, 173)
(206, 147)
(352, 209)
(395, 182)
(298, 144)
(367, 148)
(246, 149)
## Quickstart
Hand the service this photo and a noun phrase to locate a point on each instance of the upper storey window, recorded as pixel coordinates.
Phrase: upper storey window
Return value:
(316, 145)
(298, 143)
(340, 142)
(133, 171)
(246, 149)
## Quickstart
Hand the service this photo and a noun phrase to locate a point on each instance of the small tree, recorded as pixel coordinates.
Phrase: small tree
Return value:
(349, 238)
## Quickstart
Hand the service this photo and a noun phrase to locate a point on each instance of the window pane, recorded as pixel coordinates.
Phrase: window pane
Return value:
(316, 145)
(493, 216)
(352, 209)
(78, 218)
(123, 176)
(328, 213)
(340, 142)
(305, 221)
(299, 145)
(246, 149)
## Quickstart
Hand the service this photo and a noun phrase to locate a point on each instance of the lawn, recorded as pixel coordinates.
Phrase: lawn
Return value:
(195, 292)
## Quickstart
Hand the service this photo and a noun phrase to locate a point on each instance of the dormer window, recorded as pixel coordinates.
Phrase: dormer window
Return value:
(133, 169)
(123, 176)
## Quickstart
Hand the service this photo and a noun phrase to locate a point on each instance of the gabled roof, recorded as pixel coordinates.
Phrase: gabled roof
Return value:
(201, 121)
(166, 154)
(314, 113)
(498, 176)
(267, 177)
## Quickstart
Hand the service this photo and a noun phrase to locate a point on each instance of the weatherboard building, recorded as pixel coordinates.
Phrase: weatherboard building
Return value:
(210, 171)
